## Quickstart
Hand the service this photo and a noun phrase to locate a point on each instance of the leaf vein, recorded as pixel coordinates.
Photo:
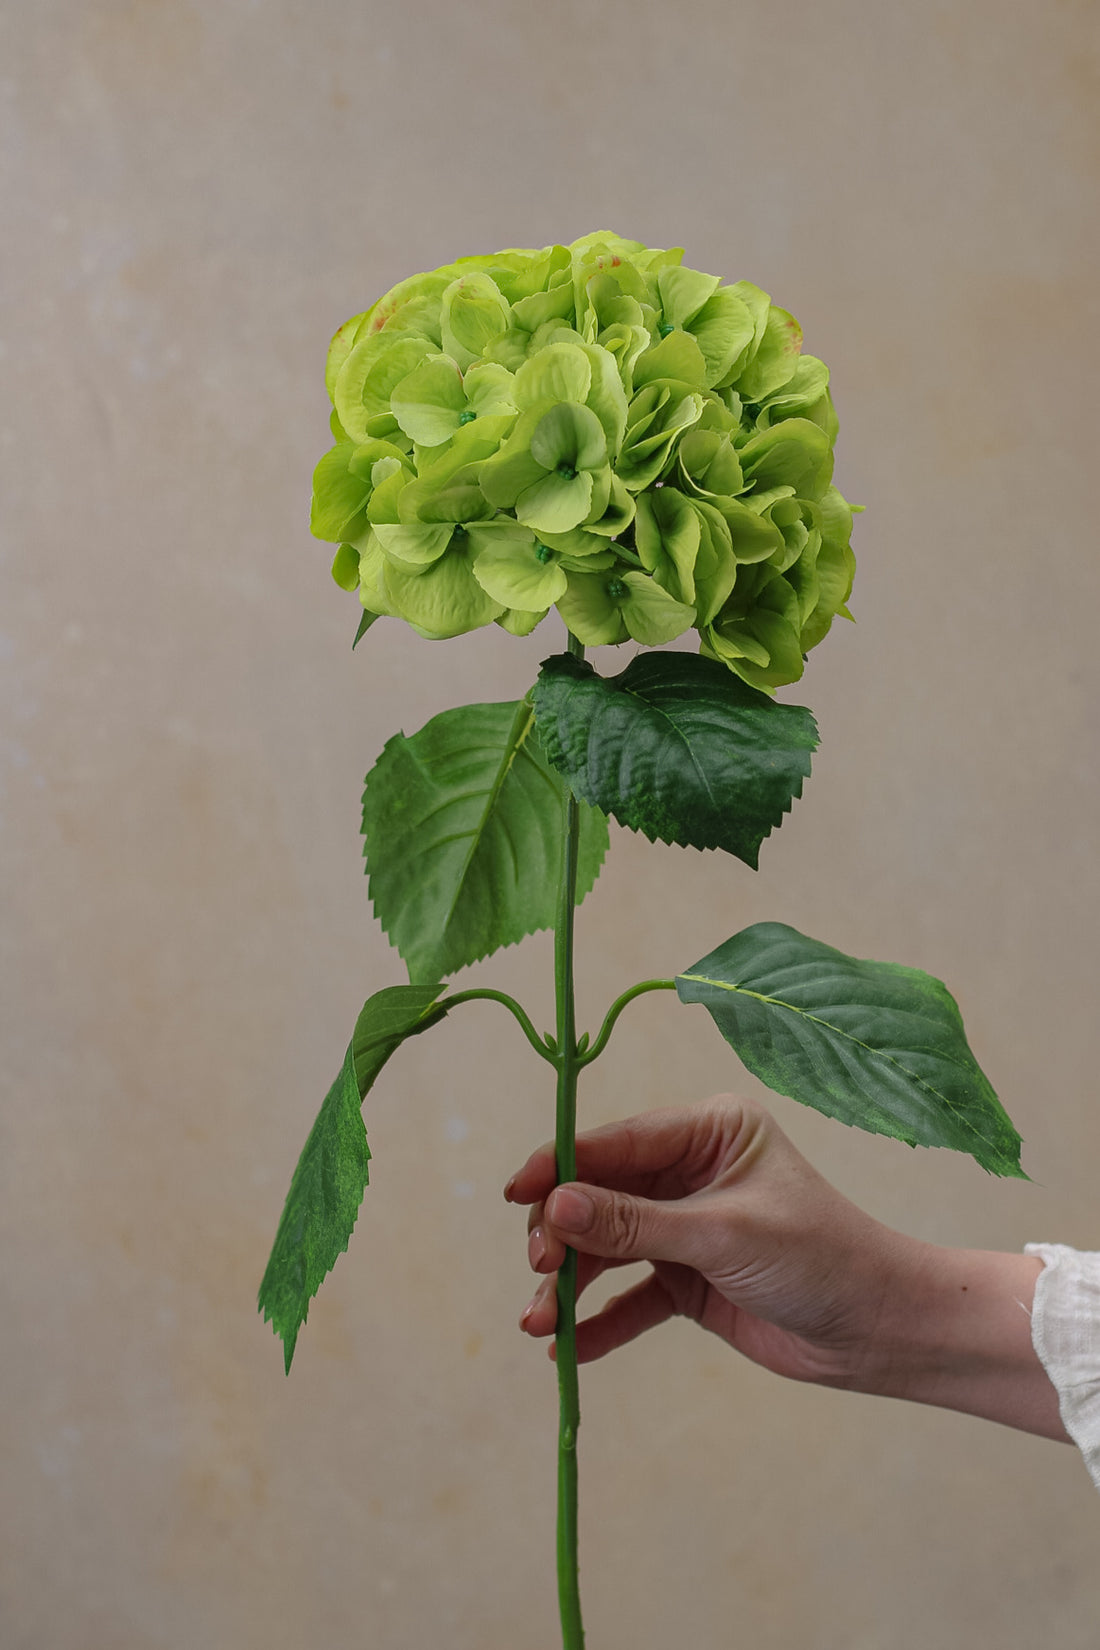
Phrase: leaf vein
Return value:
(888, 1059)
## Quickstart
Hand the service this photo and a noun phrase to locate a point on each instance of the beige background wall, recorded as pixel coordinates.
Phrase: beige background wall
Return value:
(195, 195)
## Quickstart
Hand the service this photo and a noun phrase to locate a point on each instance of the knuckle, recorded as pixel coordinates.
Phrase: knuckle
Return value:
(623, 1224)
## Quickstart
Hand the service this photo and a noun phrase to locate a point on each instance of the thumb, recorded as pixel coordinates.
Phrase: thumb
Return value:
(621, 1227)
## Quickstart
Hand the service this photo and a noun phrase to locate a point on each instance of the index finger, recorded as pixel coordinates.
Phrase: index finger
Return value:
(664, 1153)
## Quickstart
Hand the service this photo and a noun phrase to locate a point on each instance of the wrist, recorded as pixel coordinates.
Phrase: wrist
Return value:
(954, 1330)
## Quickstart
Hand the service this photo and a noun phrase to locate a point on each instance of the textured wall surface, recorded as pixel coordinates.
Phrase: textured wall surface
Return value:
(195, 194)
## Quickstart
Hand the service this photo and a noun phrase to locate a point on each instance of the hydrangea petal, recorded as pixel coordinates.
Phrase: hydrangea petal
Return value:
(490, 390)
(518, 623)
(470, 444)
(384, 501)
(618, 510)
(709, 464)
(339, 494)
(340, 348)
(771, 622)
(517, 577)
(606, 396)
(368, 376)
(609, 305)
(625, 344)
(474, 312)
(642, 459)
(666, 534)
(733, 644)
(445, 493)
(776, 358)
(372, 579)
(753, 538)
(805, 581)
(836, 518)
(590, 612)
(834, 569)
(555, 503)
(445, 599)
(429, 403)
(612, 256)
(796, 521)
(650, 614)
(723, 329)
(801, 392)
(758, 304)
(570, 437)
(560, 372)
(345, 567)
(504, 477)
(520, 272)
(413, 305)
(677, 357)
(412, 543)
(715, 566)
(788, 454)
(579, 543)
(556, 304)
(684, 292)
(585, 563)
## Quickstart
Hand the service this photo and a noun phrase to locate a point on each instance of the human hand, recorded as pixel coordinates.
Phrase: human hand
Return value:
(743, 1235)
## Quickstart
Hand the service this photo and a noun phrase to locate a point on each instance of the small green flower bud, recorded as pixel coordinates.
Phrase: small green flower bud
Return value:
(616, 589)
(543, 553)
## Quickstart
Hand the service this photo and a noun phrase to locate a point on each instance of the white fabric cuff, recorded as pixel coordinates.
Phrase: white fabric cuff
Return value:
(1065, 1332)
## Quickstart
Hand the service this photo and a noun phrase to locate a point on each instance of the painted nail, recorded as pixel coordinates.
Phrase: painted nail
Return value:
(508, 1189)
(526, 1313)
(536, 1248)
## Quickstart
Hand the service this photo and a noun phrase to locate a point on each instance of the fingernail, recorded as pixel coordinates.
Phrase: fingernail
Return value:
(536, 1248)
(508, 1189)
(527, 1310)
(573, 1210)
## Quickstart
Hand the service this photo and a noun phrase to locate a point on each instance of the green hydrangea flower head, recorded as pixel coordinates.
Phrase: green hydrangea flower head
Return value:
(593, 428)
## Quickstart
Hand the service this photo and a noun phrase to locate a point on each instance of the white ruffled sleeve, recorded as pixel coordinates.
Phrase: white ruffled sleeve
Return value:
(1065, 1332)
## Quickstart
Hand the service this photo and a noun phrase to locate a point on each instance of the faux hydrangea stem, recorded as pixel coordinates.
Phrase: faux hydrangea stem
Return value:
(566, 1155)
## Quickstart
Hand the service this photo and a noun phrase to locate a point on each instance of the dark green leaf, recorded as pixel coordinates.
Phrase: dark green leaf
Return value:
(874, 1044)
(364, 625)
(463, 826)
(676, 747)
(328, 1184)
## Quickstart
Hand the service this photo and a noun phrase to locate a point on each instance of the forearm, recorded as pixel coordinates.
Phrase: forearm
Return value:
(954, 1330)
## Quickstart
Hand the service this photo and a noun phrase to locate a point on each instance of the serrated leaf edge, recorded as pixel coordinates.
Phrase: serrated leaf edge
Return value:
(517, 742)
(876, 1053)
(577, 678)
(430, 1015)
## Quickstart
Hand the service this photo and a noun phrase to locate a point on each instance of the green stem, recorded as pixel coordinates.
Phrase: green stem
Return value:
(615, 1010)
(565, 1345)
(475, 994)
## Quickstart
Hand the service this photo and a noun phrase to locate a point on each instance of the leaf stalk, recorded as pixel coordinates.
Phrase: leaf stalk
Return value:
(587, 1055)
(539, 1044)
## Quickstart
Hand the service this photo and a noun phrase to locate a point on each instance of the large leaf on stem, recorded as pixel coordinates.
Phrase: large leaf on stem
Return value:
(873, 1044)
(328, 1184)
(463, 826)
(676, 747)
